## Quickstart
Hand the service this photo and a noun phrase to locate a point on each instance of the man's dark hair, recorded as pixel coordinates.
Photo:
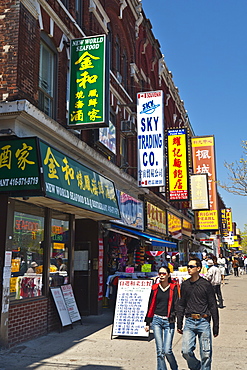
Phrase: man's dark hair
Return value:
(198, 261)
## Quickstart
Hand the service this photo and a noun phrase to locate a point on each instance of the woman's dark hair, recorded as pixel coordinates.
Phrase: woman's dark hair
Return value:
(167, 270)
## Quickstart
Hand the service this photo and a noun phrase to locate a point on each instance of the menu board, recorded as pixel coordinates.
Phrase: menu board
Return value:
(131, 307)
(61, 306)
(70, 302)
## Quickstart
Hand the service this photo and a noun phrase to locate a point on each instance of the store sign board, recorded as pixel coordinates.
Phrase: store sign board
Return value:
(156, 219)
(131, 211)
(199, 192)
(131, 307)
(204, 162)
(150, 136)
(100, 270)
(187, 228)
(229, 219)
(178, 164)
(224, 231)
(70, 182)
(89, 83)
(19, 166)
(174, 226)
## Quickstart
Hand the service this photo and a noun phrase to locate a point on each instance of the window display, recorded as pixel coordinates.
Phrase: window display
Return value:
(27, 251)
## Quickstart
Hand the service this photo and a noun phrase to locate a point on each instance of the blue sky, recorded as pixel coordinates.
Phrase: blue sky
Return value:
(204, 43)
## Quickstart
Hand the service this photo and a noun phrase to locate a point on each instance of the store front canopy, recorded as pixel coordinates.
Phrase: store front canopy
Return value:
(156, 242)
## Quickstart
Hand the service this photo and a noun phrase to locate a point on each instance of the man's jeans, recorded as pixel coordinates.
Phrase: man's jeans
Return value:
(192, 328)
(163, 334)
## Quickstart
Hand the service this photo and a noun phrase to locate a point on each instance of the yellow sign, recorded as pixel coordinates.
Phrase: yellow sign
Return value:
(174, 226)
(59, 246)
(156, 219)
(177, 159)
(146, 267)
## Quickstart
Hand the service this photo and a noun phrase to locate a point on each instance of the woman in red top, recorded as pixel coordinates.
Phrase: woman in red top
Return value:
(161, 312)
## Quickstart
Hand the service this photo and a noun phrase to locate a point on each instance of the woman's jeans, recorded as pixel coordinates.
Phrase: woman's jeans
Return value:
(163, 334)
(202, 329)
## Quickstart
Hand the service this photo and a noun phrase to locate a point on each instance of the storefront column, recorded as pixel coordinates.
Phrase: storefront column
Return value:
(47, 251)
(6, 235)
(71, 248)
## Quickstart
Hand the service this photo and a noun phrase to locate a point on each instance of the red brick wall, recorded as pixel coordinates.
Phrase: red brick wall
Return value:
(31, 319)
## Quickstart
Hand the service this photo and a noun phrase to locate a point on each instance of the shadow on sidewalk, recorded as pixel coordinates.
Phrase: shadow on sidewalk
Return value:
(36, 353)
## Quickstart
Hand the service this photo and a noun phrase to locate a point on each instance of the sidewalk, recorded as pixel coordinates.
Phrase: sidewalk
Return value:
(89, 346)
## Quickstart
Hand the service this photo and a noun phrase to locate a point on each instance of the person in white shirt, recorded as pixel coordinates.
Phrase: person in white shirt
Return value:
(222, 266)
(214, 276)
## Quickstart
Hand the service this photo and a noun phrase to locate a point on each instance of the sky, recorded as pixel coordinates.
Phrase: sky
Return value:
(204, 43)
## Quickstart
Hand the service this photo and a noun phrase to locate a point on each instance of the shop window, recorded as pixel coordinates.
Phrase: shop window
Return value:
(47, 79)
(59, 249)
(27, 252)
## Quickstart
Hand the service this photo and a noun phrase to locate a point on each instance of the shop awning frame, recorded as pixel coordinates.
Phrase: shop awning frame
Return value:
(155, 241)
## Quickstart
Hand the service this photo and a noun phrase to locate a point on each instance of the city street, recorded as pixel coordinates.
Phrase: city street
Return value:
(89, 346)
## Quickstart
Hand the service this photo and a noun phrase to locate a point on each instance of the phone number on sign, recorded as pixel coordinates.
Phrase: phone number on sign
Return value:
(18, 181)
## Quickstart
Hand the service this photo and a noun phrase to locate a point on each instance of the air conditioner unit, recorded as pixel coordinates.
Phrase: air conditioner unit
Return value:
(128, 128)
(119, 77)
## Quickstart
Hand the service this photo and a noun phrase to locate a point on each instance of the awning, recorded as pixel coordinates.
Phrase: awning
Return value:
(156, 242)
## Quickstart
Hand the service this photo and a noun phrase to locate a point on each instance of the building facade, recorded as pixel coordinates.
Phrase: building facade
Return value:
(62, 188)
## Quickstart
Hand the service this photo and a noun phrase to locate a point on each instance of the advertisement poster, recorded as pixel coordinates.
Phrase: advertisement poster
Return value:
(61, 306)
(100, 270)
(131, 307)
(150, 136)
(178, 164)
(204, 162)
(70, 302)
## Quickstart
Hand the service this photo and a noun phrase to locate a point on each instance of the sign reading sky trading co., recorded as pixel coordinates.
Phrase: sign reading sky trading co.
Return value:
(204, 162)
(150, 136)
(89, 83)
(28, 166)
(178, 164)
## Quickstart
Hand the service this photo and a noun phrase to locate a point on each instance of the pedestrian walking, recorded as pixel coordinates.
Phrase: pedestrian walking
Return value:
(213, 275)
(162, 313)
(235, 265)
(245, 264)
(198, 305)
(222, 266)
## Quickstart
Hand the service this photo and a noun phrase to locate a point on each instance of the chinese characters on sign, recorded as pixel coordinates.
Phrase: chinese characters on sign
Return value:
(199, 191)
(174, 226)
(150, 136)
(100, 270)
(204, 162)
(131, 307)
(69, 181)
(178, 167)
(88, 83)
(19, 169)
(156, 219)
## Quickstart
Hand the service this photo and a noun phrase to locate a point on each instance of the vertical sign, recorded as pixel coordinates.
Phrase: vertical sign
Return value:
(131, 307)
(100, 270)
(229, 219)
(89, 84)
(204, 162)
(178, 164)
(199, 192)
(150, 135)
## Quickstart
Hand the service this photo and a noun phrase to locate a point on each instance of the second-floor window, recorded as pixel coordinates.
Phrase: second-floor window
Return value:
(46, 79)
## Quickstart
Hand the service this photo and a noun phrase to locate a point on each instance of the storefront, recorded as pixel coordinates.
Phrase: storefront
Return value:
(51, 208)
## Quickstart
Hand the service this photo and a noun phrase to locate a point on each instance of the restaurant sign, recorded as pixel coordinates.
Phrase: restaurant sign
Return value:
(178, 164)
(29, 166)
(89, 83)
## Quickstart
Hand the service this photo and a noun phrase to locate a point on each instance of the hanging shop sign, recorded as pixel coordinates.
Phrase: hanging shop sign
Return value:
(224, 231)
(199, 192)
(131, 211)
(150, 136)
(29, 166)
(178, 164)
(174, 226)
(204, 162)
(89, 83)
(229, 219)
(187, 228)
(156, 219)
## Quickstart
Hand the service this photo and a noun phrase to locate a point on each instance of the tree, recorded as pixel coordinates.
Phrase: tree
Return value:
(237, 174)
(244, 239)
